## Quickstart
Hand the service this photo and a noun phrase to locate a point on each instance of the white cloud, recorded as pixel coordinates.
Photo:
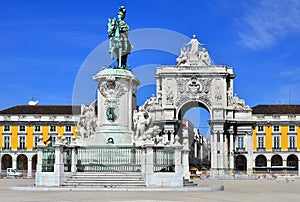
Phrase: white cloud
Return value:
(265, 22)
(291, 74)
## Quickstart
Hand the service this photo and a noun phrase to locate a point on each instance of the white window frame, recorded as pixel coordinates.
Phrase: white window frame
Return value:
(68, 131)
(68, 139)
(275, 146)
(275, 131)
(258, 129)
(239, 141)
(294, 130)
(37, 126)
(295, 145)
(4, 128)
(23, 146)
(5, 142)
(50, 129)
(53, 139)
(35, 141)
(22, 131)
(258, 142)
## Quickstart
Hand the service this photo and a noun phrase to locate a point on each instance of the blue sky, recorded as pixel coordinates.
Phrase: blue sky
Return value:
(43, 44)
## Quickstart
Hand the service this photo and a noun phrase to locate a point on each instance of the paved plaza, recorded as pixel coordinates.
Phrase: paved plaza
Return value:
(239, 190)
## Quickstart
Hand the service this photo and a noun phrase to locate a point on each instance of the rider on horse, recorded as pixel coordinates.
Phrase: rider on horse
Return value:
(118, 34)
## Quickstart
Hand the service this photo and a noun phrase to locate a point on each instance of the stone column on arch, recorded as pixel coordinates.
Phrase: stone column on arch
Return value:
(185, 153)
(221, 134)
(225, 151)
(214, 153)
(231, 150)
(250, 151)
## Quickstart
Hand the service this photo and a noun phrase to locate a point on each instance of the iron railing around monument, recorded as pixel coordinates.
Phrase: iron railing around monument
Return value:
(163, 159)
(109, 159)
(48, 159)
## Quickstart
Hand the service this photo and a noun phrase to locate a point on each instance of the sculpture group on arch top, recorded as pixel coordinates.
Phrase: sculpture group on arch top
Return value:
(198, 82)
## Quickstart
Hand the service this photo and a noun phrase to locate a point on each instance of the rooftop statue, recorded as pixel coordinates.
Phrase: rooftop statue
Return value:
(193, 54)
(119, 45)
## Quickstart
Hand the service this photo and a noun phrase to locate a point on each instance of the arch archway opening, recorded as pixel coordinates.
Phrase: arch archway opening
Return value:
(195, 116)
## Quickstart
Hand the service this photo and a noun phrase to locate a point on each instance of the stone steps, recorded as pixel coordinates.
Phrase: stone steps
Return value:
(90, 179)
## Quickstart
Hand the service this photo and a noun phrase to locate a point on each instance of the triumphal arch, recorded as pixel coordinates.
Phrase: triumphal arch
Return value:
(196, 82)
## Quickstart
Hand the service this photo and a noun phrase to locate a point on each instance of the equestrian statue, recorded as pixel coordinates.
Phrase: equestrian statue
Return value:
(119, 45)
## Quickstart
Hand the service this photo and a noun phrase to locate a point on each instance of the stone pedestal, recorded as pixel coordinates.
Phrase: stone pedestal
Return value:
(116, 102)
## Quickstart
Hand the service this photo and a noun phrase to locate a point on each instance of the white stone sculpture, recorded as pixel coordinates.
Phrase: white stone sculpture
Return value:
(182, 58)
(239, 103)
(141, 121)
(87, 123)
(150, 104)
(192, 54)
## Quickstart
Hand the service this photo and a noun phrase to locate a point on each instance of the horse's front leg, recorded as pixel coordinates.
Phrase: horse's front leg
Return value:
(120, 57)
(111, 49)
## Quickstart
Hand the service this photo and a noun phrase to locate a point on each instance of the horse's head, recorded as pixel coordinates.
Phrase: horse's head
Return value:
(111, 27)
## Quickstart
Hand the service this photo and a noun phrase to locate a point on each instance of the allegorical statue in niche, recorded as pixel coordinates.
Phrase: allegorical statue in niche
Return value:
(119, 45)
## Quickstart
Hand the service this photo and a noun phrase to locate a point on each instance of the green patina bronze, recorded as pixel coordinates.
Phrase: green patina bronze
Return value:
(119, 45)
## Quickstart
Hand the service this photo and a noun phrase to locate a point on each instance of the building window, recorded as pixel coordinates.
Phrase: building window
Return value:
(292, 128)
(52, 140)
(36, 140)
(261, 142)
(68, 139)
(22, 128)
(68, 129)
(6, 128)
(240, 142)
(6, 142)
(276, 129)
(22, 142)
(260, 128)
(52, 128)
(292, 142)
(276, 142)
(37, 128)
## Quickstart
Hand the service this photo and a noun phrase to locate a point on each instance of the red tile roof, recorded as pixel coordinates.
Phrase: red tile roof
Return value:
(42, 109)
(276, 109)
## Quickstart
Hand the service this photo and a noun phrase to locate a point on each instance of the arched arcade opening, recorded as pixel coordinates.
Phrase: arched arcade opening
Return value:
(6, 162)
(22, 162)
(241, 163)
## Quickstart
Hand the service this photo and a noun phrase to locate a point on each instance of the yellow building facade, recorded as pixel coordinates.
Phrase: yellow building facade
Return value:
(22, 127)
(276, 138)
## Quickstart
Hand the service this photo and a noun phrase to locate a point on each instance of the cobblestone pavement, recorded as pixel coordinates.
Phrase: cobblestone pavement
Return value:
(236, 190)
